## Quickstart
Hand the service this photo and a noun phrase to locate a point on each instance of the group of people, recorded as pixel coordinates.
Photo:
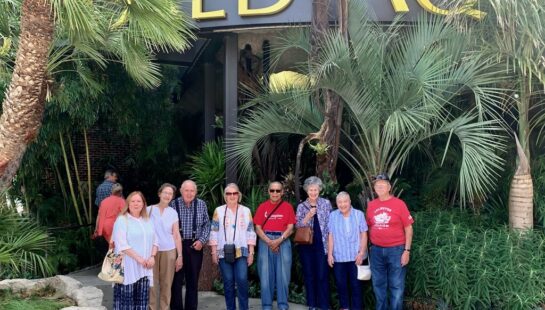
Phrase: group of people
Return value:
(163, 246)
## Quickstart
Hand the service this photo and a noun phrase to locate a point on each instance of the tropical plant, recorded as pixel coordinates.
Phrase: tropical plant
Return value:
(57, 36)
(468, 262)
(207, 169)
(400, 86)
(23, 244)
(514, 35)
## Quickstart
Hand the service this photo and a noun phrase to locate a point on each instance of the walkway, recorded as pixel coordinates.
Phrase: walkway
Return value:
(207, 300)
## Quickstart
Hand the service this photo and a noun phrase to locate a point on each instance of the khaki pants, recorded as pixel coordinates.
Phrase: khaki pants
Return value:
(163, 274)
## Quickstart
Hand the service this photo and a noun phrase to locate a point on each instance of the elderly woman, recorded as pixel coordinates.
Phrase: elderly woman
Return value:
(274, 220)
(169, 256)
(314, 212)
(134, 236)
(347, 248)
(232, 242)
(108, 212)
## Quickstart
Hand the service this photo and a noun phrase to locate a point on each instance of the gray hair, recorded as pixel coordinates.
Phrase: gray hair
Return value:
(117, 189)
(343, 195)
(313, 180)
(188, 182)
(235, 186)
(108, 173)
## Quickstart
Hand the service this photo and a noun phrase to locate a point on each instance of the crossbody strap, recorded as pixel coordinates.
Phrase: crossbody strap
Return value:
(268, 217)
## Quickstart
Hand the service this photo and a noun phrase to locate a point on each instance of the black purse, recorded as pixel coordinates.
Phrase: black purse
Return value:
(229, 249)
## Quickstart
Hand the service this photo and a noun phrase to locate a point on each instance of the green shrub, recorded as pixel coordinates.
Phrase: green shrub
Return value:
(207, 169)
(460, 260)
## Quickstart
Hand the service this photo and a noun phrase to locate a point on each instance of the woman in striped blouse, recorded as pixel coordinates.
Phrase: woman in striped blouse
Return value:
(347, 248)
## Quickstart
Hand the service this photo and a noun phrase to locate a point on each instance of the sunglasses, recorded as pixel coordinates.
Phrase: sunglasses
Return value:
(275, 190)
(231, 193)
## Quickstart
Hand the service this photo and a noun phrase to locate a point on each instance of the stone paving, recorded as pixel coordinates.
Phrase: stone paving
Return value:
(207, 300)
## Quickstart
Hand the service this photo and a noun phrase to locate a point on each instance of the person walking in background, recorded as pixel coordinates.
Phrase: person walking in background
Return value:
(391, 234)
(134, 236)
(314, 212)
(274, 220)
(108, 212)
(232, 241)
(194, 229)
(104, 190)
(169, 256)
(347, 248)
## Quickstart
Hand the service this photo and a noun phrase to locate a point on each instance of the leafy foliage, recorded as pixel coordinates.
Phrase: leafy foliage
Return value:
(207, 169)
(23, 245)
(464, 262)
(401, 87)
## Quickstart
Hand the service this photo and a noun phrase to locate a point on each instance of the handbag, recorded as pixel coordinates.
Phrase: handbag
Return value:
(304, 235)
(112, 268)
(364, 272)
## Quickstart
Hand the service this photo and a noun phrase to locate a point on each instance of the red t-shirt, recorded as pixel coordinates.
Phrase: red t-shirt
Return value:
(279, 220)
(387, 221)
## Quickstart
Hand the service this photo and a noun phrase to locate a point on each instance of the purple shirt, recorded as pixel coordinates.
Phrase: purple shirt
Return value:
(323, 210)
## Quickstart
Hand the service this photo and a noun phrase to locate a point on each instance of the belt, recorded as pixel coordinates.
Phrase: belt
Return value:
(274, 233)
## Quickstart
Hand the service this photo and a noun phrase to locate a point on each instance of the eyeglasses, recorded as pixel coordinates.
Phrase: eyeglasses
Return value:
(231, 193)
(275, 190)
(381, 177)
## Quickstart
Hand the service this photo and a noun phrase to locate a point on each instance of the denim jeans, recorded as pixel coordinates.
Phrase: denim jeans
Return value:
(388, 275)
(346, 274)
(232, 273)
(274, 271)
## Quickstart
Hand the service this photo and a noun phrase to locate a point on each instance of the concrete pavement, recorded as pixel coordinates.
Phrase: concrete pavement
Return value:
(207, 300)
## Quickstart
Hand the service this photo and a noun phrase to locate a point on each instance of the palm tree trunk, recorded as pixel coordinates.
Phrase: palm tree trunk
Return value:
(23, 105)
(521, 194)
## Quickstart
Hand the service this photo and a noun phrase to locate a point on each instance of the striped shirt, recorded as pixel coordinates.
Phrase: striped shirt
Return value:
(346, 234)
(185, 216)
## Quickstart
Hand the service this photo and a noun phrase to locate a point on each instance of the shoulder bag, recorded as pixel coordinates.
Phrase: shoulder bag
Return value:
(304, 235)
(112, 266)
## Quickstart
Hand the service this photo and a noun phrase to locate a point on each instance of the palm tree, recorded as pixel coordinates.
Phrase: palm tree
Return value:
(401, 86)
(56, 36)
(514, 34)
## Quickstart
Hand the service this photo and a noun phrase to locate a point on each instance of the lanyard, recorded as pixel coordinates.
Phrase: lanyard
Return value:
(225, 228)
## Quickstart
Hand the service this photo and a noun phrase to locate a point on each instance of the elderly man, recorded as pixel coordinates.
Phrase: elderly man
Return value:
(391, 234)
(194, 229)
(104, 190)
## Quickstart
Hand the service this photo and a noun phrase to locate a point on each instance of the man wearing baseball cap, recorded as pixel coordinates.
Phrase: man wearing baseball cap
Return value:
(391, 234)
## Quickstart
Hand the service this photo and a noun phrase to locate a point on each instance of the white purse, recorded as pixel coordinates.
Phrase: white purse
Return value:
(364, 272)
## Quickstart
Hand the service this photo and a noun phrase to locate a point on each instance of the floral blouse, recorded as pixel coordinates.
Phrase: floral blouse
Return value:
(323, 211)
(244, 235)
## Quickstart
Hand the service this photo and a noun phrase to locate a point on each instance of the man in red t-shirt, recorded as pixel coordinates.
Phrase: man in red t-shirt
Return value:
(391, 235)
(274, 220)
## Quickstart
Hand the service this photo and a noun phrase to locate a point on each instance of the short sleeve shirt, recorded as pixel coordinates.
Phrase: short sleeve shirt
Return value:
(279, 220)
(163, 226)
(387, 221)
(346, 232)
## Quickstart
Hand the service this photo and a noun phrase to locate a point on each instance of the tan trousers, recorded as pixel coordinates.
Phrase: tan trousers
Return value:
(163, 274)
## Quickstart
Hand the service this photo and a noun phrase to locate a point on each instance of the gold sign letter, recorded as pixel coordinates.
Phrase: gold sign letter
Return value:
(400, 6)
(244, 10)
(197, 12)
(467, 8)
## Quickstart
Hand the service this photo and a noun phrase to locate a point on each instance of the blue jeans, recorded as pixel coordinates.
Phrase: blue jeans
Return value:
(232, 273)
(388, 275)
(274, 271)
(315, 275)
(346, 273)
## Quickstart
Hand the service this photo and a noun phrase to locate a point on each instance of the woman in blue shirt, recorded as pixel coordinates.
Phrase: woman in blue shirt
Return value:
(347, 248)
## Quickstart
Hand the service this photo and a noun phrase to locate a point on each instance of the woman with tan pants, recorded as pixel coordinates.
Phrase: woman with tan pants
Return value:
(169, 257)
